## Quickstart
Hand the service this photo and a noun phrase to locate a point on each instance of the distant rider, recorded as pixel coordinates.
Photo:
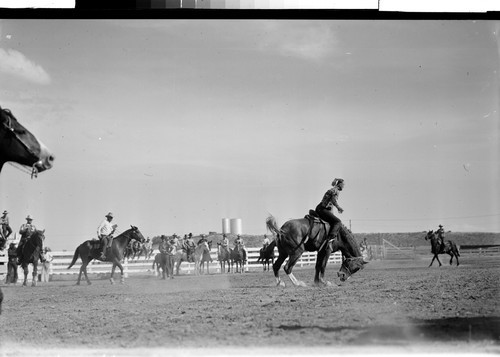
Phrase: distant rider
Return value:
(105, 233)
(26, 230)
(239, 242)
(440, 235)
(324, 208)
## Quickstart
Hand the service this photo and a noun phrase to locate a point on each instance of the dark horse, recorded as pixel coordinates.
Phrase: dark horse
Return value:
(18, 145)
(237, 256)
(448, 247)
(223, 256)
(206, 258)
(88, 252)
(266, 255)
(166, 262)
(311, 234)
(31, 254)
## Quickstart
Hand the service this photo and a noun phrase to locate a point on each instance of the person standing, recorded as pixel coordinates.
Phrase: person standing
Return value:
(12, 264)
(105, 233)
(47, 265)
(26, 230)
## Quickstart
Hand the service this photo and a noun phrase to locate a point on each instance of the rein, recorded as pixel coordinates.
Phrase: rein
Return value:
(8, 126)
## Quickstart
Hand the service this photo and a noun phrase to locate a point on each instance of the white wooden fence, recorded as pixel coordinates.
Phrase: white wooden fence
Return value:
(62, 259)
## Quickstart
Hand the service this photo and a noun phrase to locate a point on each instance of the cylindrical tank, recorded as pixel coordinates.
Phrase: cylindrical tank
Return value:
(226, 226)
(236, 226)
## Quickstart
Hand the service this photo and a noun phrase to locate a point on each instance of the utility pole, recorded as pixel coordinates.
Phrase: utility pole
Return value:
(350, 225)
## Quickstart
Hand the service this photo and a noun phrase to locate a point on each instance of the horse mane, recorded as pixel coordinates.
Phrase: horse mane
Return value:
(348, 238)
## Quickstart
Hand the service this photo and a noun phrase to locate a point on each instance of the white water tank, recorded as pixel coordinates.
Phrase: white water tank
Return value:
(236, 226)
(226, 226)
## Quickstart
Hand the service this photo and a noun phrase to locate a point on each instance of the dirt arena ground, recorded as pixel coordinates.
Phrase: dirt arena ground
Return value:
(389, 306)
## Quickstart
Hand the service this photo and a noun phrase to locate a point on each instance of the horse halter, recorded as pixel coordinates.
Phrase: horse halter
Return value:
(7, 124)
(346, 267)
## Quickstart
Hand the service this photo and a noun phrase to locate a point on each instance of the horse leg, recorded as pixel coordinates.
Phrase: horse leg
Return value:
(292, 260)
(34, 275)
(25, 270)
(276, 268)
(84, 269)
(321, 261)
(456, 256)
(451, 257)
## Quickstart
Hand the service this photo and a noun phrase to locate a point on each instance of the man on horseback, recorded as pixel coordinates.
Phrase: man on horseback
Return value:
(224, 242)
(440, 235)
(239, 243)
(26, 230)
(202, 239)
(5, 230)
(189, 247)
(324, 208)
(265, 243)
(105, 233)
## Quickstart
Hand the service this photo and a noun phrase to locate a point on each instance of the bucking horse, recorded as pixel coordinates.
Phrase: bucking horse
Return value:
(311, 234)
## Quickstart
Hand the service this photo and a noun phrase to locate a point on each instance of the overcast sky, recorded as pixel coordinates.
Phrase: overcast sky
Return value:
(174, 125)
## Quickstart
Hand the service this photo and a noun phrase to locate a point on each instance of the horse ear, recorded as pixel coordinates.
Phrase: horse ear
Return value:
(365, 262)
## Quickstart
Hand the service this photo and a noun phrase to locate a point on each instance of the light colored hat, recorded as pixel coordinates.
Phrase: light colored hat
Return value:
(29, 217)
(109, 215)
(5, 212)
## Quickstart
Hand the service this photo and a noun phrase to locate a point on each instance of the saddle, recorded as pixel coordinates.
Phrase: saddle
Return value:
(316, 222)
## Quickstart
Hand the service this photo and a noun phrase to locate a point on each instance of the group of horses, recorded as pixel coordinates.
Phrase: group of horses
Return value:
(293, 238)
(136, 250)
(199, 255)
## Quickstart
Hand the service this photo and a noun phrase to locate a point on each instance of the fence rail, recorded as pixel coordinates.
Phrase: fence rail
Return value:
(62, 259)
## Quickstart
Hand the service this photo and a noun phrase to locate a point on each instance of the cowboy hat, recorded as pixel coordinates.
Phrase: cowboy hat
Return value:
(5, 212)
(29, 217)
(109, 215)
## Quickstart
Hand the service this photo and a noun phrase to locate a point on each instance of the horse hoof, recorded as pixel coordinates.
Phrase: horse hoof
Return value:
(88, 283)
(112, 281)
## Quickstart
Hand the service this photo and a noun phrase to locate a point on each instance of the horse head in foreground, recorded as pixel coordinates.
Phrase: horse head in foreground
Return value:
(18, 145)
(91, 249)
(311, 234)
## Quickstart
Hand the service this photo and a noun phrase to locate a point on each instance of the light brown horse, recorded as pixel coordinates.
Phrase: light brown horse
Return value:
(448, 247)
(87, 252)
(299, 235)
(18, 145)
(200, 250)
(223, 256)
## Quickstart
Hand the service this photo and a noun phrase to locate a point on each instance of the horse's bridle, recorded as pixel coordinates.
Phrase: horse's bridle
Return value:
(8, 126)
(346, 267)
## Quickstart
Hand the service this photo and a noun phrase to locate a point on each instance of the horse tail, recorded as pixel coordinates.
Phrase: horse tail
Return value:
(272, 225)
(75, 257)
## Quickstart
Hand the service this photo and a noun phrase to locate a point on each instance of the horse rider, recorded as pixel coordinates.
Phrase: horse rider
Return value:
(265, 242)
(225, 242)
(26, 230)
(440, 235)
(202, 239)
(189, 246)
(239, 242)
(5, 229)
(164, 245)
(324, 208)
(105, 233)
